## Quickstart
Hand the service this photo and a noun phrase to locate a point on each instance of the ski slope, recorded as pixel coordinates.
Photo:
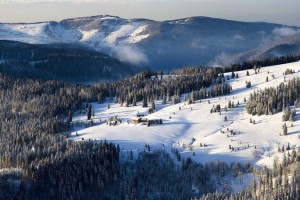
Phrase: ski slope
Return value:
(185, 129)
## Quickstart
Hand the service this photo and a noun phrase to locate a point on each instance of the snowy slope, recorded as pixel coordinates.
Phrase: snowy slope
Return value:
(196, 121)
(94, 30)
(29, 33)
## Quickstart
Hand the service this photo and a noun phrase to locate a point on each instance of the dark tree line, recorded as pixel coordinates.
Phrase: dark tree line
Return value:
(149, 85)
(261, 63)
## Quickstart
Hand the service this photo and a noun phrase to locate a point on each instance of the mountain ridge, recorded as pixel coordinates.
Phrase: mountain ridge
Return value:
(169, 44)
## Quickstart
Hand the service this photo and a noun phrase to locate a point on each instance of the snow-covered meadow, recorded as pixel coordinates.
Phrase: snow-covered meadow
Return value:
(192, 125)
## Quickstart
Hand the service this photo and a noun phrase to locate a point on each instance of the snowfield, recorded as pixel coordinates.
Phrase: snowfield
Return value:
(193, 125)
(30, 33)
(46, 33)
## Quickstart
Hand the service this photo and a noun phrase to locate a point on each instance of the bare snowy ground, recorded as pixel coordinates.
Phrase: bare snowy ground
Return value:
(44, 33)
(185, 129)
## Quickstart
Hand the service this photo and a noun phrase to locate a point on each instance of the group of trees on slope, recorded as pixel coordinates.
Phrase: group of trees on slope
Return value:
(273, 100)
(282, 182)
(153, 85)
(261, 63)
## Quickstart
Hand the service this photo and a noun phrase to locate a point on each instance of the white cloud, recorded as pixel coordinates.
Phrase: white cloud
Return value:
(130, 54)
(238, 37)
(285, 31)
(221, 60)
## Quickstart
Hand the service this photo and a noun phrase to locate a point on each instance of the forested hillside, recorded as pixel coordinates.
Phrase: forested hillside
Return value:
(64, 62)
(39, 160)
(33, 114)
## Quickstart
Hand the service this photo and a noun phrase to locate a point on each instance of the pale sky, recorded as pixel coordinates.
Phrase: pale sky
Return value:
(277, 11)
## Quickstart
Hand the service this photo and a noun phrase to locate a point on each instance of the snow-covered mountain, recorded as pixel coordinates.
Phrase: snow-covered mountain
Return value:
(164, 44)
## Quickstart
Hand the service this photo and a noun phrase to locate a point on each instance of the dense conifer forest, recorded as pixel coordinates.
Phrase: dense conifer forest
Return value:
(64, 62)
(37, 161)
(262, 63)
(283, 182)
(34, 113)
(273, 100)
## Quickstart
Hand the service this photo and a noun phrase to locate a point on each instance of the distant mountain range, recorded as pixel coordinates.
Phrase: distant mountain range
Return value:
(163, 44)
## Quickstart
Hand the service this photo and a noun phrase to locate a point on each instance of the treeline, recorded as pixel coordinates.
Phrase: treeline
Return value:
(261, 63)
(154, 86)
(273, 100)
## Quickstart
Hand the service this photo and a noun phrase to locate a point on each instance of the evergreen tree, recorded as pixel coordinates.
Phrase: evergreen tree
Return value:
(232, 75)
(194, 96)
(89, 113)
(288, 147)
(153, 104)
(284, 129)
(175, 100)
(225, 119)
(145, 103)
(248, 84)
(127, 103)
(229, 104)
(134, 102)
(69, 116)
(164, 100)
